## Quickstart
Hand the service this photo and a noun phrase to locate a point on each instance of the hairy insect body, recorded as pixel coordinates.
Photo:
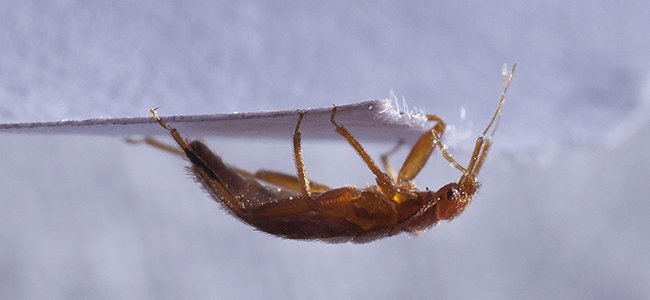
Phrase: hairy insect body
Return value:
(299, 209)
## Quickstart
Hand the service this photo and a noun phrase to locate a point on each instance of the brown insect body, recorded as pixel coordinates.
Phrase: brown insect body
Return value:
(371, 217)
(337, 215)
(298, 209)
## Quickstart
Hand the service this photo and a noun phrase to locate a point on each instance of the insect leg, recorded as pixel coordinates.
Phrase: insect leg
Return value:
(216, 176)
(297, 157)
(157, 144)
(204, 170)
(385, 182)
(421, 151)
(447, 155)
(384, 159)
(282, 180)
(286, 181)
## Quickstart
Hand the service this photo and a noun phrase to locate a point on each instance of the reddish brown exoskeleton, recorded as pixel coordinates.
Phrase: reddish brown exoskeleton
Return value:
(301, 209)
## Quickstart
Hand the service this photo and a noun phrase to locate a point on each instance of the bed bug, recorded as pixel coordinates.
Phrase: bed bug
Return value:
(300, 209)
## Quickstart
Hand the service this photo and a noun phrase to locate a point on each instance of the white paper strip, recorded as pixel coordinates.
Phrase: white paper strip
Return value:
(370, 120)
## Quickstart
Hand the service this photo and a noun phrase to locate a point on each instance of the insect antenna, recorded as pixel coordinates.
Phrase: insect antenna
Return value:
(484, 142)
(497, 113)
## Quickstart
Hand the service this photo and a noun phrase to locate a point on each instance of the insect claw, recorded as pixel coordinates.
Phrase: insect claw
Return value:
(154, 114)
(333, 116)
(156, 117)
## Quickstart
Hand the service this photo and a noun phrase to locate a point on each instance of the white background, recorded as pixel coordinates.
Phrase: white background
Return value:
(563, 212)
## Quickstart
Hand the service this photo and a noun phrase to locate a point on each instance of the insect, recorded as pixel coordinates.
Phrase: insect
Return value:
(305, 210)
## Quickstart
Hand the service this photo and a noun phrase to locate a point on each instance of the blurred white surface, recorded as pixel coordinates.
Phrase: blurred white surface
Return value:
(562, 212)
